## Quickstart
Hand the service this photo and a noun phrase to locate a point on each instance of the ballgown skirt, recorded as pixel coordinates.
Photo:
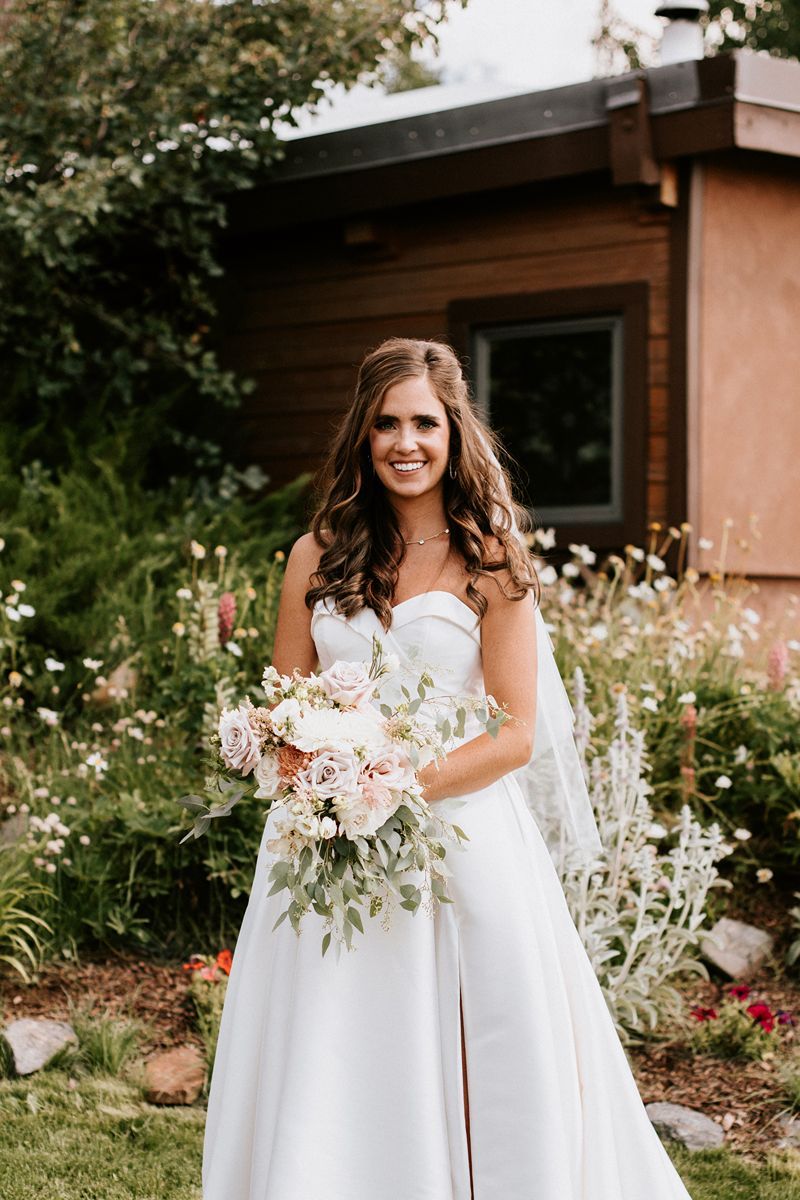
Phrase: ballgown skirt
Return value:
(343, 1080)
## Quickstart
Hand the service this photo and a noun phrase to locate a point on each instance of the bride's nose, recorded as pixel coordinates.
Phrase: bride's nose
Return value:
(406, 439)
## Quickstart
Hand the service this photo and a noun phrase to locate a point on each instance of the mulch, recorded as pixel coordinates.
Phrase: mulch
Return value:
(743, 1095)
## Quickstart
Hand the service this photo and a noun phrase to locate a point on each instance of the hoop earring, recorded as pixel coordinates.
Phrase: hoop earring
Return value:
(453, 474)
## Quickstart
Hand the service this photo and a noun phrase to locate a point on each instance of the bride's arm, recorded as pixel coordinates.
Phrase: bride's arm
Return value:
(508, 649)
(294, 645)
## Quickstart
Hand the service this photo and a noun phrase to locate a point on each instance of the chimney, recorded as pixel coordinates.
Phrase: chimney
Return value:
(683, 34)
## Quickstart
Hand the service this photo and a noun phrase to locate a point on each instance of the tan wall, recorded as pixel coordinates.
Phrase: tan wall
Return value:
(744, 369)
(304, 307)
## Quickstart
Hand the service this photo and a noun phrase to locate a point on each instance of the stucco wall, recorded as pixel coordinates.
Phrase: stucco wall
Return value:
(744, 369)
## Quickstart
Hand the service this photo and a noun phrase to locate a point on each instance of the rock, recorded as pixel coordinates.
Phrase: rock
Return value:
(790, 1127)
(736, 948)
(175, 1077)
(14, 827)
(691, 1128)
(33, 1042)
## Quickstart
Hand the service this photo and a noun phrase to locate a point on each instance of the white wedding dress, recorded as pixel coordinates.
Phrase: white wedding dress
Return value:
(342, 1080)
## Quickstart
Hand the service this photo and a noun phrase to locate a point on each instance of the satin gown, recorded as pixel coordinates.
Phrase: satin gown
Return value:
(345, 1080)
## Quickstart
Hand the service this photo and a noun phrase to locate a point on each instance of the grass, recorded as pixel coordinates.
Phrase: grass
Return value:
(95, 1139)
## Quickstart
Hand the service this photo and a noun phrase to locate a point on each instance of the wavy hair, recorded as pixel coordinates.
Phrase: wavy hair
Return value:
(354, 520)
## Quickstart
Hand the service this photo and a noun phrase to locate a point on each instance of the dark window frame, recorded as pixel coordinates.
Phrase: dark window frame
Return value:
(629, 301)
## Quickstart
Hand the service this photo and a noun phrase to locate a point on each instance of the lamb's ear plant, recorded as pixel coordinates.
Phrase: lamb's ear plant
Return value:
(640, 911)
(22, 947)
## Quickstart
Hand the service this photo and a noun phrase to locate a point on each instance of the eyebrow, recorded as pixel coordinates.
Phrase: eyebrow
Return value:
(416, 417)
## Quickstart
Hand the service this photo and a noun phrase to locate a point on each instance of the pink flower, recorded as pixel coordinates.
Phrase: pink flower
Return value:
(390, 767)
(331, 773)
(239, 744)
(348, 683)
(777, 666)
(226, 616)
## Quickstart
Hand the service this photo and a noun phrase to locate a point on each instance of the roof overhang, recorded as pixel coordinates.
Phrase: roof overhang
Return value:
(627, 125)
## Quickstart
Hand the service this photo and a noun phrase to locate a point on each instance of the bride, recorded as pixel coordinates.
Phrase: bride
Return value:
(467, 1055)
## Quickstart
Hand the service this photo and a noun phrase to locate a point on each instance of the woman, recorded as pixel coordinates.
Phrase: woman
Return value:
(468, 1055)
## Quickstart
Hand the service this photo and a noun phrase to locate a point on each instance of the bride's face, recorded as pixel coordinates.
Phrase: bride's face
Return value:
(410, 439)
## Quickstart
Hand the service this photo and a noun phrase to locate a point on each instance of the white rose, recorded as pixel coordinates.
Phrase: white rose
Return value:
(356, 817)
(239, 745)
(284, 714)
(327, 827)
(267, 777)
(348, 683)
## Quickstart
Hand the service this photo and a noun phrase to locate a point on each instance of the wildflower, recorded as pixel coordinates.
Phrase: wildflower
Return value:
(197, 549)
(687, 698)
(279, 556)
(14, 678)
(763, 875)
(570, 570)
(762, 1015)
(12, 613)
(705, 543)
(545, 537)
(252, 632)
(97, 761)
(226, 615)
(752, 616)
(722, 781)
(2, 543)
(184, 593)
(234, 649)
(179, 629)
(53, 664)
(650, 703)
(93, 664)
(84, 839)
(635, 552)
(548, 575)
(221, 551)
(777, 666)
(50, 868)
(655, 562)
(703, 1014)
(583, 553)
(18, 585)
(739, 991)
(48, 716)
(785, 1018)
(599, 631)
(26, 610)
(742, 835)
(251, 593)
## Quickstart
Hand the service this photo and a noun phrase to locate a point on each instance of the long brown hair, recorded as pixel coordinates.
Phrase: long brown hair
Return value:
(356, 523)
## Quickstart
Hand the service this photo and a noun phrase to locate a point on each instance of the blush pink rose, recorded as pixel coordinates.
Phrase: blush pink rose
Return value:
(348, 683)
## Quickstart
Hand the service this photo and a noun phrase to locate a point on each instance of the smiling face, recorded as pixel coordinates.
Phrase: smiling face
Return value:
(410, 438)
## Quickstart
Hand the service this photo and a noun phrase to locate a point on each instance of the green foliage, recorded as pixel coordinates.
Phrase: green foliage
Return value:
(22, 934)
(124, 124)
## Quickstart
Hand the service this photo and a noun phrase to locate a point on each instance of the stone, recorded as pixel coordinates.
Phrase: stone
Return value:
(175, 1077)
(14, 827)
(34, 1041)
(691, 1128)
(736, 948)
(790, 1128)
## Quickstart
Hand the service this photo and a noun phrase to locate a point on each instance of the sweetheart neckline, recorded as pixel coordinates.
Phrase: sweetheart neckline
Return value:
(419, 595)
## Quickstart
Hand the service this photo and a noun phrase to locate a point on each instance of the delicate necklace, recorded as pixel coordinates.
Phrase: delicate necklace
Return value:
(422, 541)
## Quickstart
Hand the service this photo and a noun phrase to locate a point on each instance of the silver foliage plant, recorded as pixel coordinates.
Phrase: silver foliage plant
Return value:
(641, 911)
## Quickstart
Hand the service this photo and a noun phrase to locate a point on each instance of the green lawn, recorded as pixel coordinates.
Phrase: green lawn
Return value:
(98, 1141)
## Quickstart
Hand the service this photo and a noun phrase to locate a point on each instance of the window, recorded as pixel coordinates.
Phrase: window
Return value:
(561, 378)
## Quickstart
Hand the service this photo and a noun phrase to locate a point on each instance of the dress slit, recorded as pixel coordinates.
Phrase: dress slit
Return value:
(466, 1092)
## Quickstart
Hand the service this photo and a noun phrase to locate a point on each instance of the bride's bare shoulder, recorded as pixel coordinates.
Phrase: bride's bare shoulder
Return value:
(304, 556)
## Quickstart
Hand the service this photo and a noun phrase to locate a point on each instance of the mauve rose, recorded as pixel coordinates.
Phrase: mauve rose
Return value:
(348, 683)
(331, 773)
(239, 745)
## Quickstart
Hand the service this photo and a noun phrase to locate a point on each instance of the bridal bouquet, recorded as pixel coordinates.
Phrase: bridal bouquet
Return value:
(353, 827)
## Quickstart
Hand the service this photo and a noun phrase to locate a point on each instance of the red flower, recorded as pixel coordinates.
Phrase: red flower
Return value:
(703, 1014)
(762, 1015)
(785, 1018)
(196, 963)
(740, 991)
(224, 960)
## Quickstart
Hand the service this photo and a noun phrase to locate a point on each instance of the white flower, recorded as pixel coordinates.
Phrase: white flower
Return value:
(545, 537)
(93, 664)
(53, 664)
(637, 553)
(184, 593)
(50, 868)
(2, 543)
(641, 591)
(221, 551)
(655, 562)
(267, 777)
(197, 549)
(219, 143)
(239, 745)
(234, 649)
(284, 716)
(270, 682)
(570, 570)
(548, 575)
(97, 761)
(179, 629)
(740, 754)
(650, 703)
(316, 729)
(583, 553)
(752, 616)
(327, 827)
(705, 543)
(167, 144)
(84, 839)
(763, 875)
(663, 583)
(26, 610)
(687, 698)
(48, 716)
(348, 683)
(742, 835)
(722, 781)
(146, 159)
(599, 631)
(12, 613)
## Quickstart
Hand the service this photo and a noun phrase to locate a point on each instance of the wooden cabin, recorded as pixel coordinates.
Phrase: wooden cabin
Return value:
(618, 262)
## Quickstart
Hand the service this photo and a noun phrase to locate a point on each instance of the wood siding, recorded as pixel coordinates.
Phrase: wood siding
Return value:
(301, 308)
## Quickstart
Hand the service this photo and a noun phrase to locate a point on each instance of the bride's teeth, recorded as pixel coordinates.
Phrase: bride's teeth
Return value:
(407, 467)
